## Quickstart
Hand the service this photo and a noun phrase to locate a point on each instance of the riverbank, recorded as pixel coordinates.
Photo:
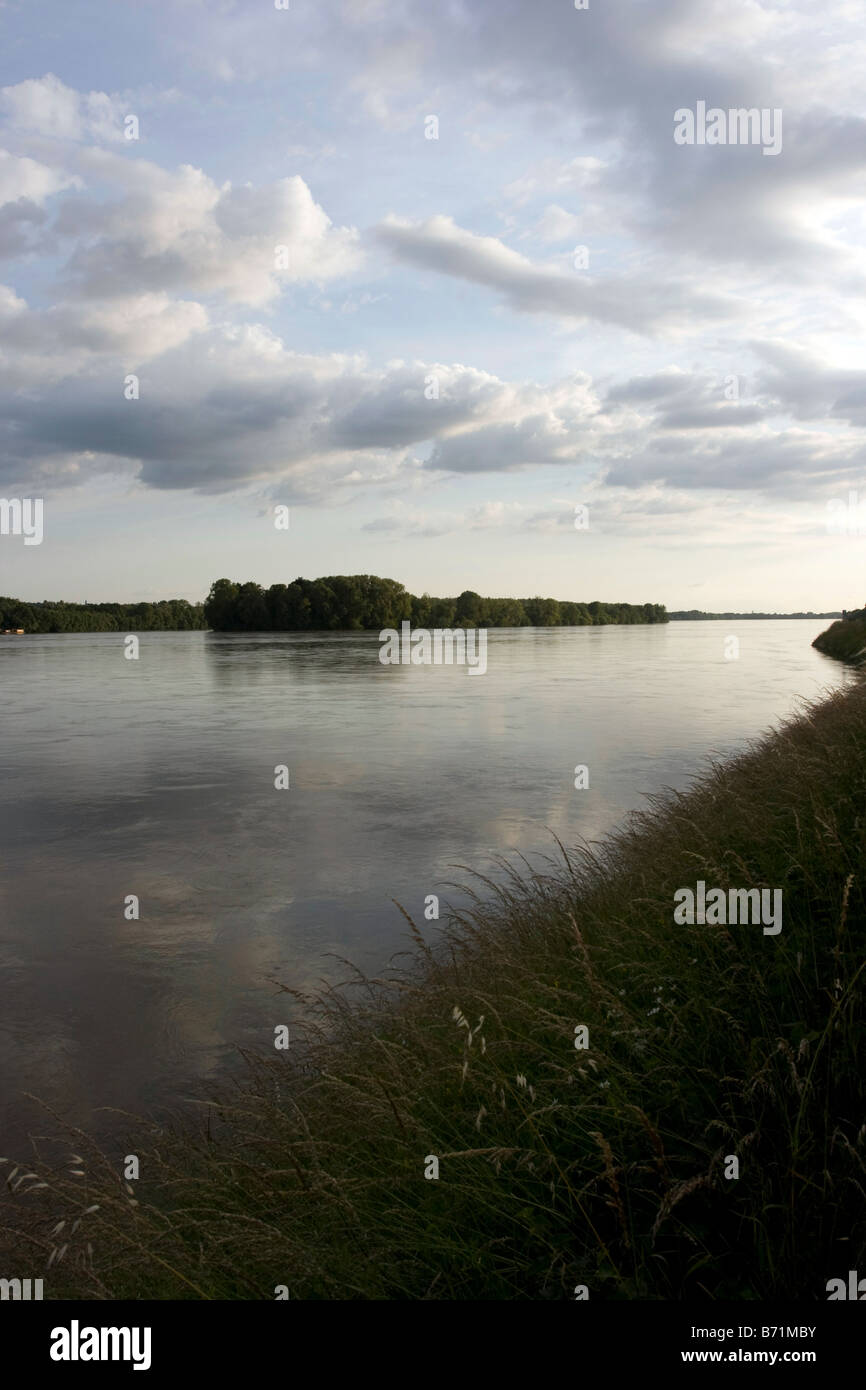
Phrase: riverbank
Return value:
(845, 639)
(55, 616)
(558, 1167)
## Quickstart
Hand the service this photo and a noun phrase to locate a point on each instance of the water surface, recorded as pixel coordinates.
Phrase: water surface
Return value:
(155, 777)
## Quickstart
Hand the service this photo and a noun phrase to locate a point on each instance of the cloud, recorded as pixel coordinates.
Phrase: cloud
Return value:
(149, 229)
(791, 462)
(402, 520)
(228, 407)
(673, 382)
(557, 224)
(536, 440)
(639, 303)
(678, 428)
(808, 388)
(46, 106)
(21, 177)
(610, 78)
(605, 82)
(671, 518)
(157, 264)
(181, 232)
(39, 347)
(25, 186)
(20, 223)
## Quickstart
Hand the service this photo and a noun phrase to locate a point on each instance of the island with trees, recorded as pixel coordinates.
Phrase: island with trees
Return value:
(364, 602)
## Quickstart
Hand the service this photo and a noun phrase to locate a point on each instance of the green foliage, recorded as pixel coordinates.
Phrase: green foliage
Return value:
(469, 609)
(366, 602)
(544, 612)
(339, 602)
(846, 639)
(174, 614)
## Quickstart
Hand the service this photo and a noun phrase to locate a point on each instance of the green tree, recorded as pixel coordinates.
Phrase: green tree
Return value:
(468, 609)
(219, 606)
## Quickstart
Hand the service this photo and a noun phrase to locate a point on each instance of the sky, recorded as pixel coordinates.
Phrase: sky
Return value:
(433, 276)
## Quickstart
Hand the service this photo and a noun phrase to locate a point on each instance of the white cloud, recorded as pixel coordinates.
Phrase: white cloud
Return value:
(46, 106)
(42, 346)
(181, 232)
(21, 177)
(641, 303)
(557, 224)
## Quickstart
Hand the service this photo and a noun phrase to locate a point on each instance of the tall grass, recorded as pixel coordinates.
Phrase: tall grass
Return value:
(558, 1167)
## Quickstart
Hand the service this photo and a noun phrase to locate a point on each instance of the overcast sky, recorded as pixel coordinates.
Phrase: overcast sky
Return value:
(430, 373)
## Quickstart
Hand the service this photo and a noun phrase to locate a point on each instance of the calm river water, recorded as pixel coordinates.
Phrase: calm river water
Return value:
(155, 777)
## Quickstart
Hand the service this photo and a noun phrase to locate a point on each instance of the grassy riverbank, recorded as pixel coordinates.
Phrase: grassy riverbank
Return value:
(846, 639)
(557, 1167)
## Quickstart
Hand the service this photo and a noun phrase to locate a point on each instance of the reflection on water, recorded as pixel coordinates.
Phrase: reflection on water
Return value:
(156, 778)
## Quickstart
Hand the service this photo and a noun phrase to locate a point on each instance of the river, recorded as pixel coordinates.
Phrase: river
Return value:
(155, 778)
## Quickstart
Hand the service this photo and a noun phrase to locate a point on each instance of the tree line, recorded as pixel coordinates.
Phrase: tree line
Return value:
(359, 602)
(54, 615)
(698, 615)
(354, 602)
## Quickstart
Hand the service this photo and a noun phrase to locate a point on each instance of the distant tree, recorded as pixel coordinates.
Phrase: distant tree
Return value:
(503, 612)
(251, 609)
(468, 609)
(442, 611)
(219, 606)
(542, 612)
(420, 611)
